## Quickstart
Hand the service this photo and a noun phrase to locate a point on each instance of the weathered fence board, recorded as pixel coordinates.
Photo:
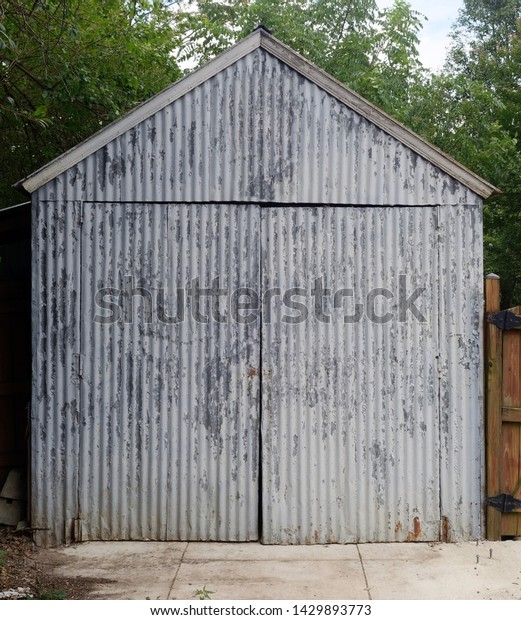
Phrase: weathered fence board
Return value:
(503, 365)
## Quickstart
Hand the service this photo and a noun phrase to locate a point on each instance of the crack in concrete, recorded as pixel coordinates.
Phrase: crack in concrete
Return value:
(365, 575)
(177, 572)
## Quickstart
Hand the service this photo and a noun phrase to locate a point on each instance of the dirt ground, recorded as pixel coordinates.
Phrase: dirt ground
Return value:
(23, 565)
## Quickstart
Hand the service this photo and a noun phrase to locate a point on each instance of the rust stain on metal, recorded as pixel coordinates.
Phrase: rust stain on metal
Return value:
(398, 527)
(444, 534)
(416, 530)
(257, 372)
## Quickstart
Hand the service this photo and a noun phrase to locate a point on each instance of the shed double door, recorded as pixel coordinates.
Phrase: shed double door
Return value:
(239, 420)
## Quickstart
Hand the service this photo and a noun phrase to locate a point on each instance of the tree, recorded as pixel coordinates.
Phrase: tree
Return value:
(373, 51)
(486, 55)
(67, 67)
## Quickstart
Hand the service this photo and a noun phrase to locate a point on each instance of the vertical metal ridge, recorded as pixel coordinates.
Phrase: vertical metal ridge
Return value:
(167, 464)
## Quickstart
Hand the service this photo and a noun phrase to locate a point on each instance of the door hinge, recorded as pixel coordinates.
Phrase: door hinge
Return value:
(504, 503)
(504, 319)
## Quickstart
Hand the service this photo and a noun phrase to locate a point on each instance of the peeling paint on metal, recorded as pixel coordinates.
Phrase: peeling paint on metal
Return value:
(55, 416)
(258, 131)
(351, 438)
(169, 411)
(461, 371)
(365, 427)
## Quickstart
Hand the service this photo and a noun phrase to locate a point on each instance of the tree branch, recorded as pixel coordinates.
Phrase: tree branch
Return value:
(31, 76)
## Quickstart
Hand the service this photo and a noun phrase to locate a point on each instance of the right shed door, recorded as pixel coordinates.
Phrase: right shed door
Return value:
(350, 392)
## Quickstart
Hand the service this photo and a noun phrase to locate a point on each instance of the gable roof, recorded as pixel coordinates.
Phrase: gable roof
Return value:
(260, 39)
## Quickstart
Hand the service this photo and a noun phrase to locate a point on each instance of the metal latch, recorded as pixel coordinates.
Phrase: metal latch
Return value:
(504, 503)
(505, 319)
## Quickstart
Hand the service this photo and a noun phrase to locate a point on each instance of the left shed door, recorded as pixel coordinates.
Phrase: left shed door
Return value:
(170, 404)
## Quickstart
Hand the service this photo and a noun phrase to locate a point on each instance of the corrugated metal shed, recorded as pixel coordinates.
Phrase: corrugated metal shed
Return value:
(259, 174)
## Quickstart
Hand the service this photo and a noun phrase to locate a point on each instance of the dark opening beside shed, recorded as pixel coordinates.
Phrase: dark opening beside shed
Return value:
(257, 314)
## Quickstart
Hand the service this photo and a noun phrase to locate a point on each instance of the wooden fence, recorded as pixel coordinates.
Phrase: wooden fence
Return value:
(503, 414)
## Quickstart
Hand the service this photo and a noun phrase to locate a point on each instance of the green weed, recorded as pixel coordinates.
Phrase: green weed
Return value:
(203, 594)
(53, 595)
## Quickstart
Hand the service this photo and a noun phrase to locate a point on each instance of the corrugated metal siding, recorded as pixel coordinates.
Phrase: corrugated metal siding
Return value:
(169, 441)
(167, 446)
(258, 131)
(360, 439)
(351, 438)
(461, 389)
(55, 403)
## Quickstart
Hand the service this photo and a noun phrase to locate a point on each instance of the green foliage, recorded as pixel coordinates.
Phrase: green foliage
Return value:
(373, 51)
(203, 594)
(485, 64)
(68, 67)
(460, 115)
(53, 595)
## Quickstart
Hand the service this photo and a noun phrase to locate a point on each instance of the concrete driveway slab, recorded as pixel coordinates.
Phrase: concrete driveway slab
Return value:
(130, 570)
(443, 571)
(398, 551)
(271, 579)
(414, 571)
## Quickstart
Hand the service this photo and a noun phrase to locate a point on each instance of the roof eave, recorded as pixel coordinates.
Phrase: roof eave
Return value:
(385, 122)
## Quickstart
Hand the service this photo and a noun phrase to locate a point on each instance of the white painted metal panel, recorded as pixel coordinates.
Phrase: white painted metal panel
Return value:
(259, 131)
(259, 39)
(169, 428)
(55, 383)
(350, 420)
(461, 389)
(349, 413)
